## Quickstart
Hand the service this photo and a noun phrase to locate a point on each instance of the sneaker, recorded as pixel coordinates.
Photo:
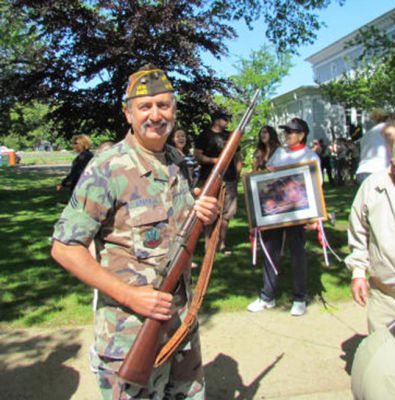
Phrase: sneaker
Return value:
(259, 305)
(298, 308)
(225, 251)
(194, 265)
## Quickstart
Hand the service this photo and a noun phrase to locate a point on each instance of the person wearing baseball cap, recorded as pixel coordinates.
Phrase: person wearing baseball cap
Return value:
(132, 199)
(296, 151)
(208, 146)
(296, 125)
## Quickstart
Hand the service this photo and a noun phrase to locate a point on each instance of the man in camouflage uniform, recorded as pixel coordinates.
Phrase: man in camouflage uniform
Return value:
(132, 199)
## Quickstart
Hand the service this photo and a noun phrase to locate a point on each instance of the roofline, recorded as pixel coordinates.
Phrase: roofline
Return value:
(348, 37)
(301, 90)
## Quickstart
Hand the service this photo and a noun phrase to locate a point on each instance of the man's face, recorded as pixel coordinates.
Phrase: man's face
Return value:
(152, 119)
(222, 123)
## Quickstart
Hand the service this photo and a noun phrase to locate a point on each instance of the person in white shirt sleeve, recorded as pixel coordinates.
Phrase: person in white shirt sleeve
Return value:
(374, 156)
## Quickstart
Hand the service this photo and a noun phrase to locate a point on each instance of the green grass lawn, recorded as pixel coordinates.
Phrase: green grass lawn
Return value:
(235, 282)
(35, 291)
(46, 158)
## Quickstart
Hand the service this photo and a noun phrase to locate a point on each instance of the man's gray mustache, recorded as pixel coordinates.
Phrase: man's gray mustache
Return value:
(158, 124)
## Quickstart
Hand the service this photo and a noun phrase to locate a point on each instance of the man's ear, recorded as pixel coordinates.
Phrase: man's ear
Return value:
(128, 114)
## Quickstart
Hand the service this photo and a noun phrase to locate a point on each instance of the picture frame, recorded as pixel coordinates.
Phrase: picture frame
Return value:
(285, 196)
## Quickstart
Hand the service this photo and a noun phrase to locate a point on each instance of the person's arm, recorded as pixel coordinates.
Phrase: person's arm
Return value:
(202, 159)
(68, 180)
(144, 300)
(77, 168)
(274, 158)
(255, 161)
(239, 164)
(358, 240)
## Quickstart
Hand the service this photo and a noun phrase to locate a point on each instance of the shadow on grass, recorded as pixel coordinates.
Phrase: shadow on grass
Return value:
(32, 369)
(235, 276)
(32, 284)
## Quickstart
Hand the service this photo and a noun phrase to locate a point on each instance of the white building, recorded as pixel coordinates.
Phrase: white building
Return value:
(325, 119)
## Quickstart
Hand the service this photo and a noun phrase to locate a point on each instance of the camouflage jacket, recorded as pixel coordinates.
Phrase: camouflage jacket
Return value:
(132, 202)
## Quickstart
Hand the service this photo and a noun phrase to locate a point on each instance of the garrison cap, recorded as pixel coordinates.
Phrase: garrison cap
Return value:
(148, 81)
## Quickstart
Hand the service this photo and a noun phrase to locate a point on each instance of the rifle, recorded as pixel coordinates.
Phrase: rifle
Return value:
(140, 359)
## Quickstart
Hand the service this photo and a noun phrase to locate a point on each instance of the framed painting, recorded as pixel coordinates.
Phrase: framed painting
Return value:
(285, 196)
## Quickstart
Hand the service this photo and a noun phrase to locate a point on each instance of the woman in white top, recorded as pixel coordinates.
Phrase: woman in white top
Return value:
(296, 132)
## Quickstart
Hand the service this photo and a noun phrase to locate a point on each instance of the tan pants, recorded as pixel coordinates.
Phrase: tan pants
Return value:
(381, 310)
(373, 369)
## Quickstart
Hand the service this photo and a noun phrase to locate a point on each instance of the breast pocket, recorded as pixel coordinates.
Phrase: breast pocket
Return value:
(151, 235)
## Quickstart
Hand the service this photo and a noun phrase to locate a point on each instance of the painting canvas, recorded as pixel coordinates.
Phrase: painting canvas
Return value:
(285, 196)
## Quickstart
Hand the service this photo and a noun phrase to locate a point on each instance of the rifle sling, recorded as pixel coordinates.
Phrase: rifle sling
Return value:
(200, 290)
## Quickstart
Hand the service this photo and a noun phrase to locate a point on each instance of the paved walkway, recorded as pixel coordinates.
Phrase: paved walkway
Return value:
(268, 355)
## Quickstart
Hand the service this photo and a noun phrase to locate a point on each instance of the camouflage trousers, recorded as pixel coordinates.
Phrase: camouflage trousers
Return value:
(180, 378)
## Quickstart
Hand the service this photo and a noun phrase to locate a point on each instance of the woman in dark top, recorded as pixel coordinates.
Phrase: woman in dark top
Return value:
(267, 144)
(81, 145)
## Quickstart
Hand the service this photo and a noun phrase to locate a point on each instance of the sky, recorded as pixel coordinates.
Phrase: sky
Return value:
(339, 20)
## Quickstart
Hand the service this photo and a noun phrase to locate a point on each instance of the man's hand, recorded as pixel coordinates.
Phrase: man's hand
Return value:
(359, 289)
(148, 302)
(144, 300)
(59, 187)
(206, 208)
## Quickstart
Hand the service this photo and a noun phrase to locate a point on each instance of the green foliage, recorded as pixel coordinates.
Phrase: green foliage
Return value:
(372, 82)
(13, 141)
(77, 55)
(263, 70)
(28, 125)
(98, 138)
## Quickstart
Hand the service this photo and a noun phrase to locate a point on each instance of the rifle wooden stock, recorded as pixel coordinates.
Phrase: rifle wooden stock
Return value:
(140, 359)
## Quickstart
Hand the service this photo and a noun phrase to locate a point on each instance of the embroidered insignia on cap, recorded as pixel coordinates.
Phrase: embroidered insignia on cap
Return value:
(141, 90)
(149, 82)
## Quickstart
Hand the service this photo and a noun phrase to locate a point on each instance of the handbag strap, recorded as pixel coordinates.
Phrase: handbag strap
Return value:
(200, 290)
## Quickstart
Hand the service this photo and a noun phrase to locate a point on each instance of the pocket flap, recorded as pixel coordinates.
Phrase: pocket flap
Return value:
(150, 216)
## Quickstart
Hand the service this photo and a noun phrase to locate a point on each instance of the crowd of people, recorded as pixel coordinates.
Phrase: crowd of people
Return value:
(132, 197)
